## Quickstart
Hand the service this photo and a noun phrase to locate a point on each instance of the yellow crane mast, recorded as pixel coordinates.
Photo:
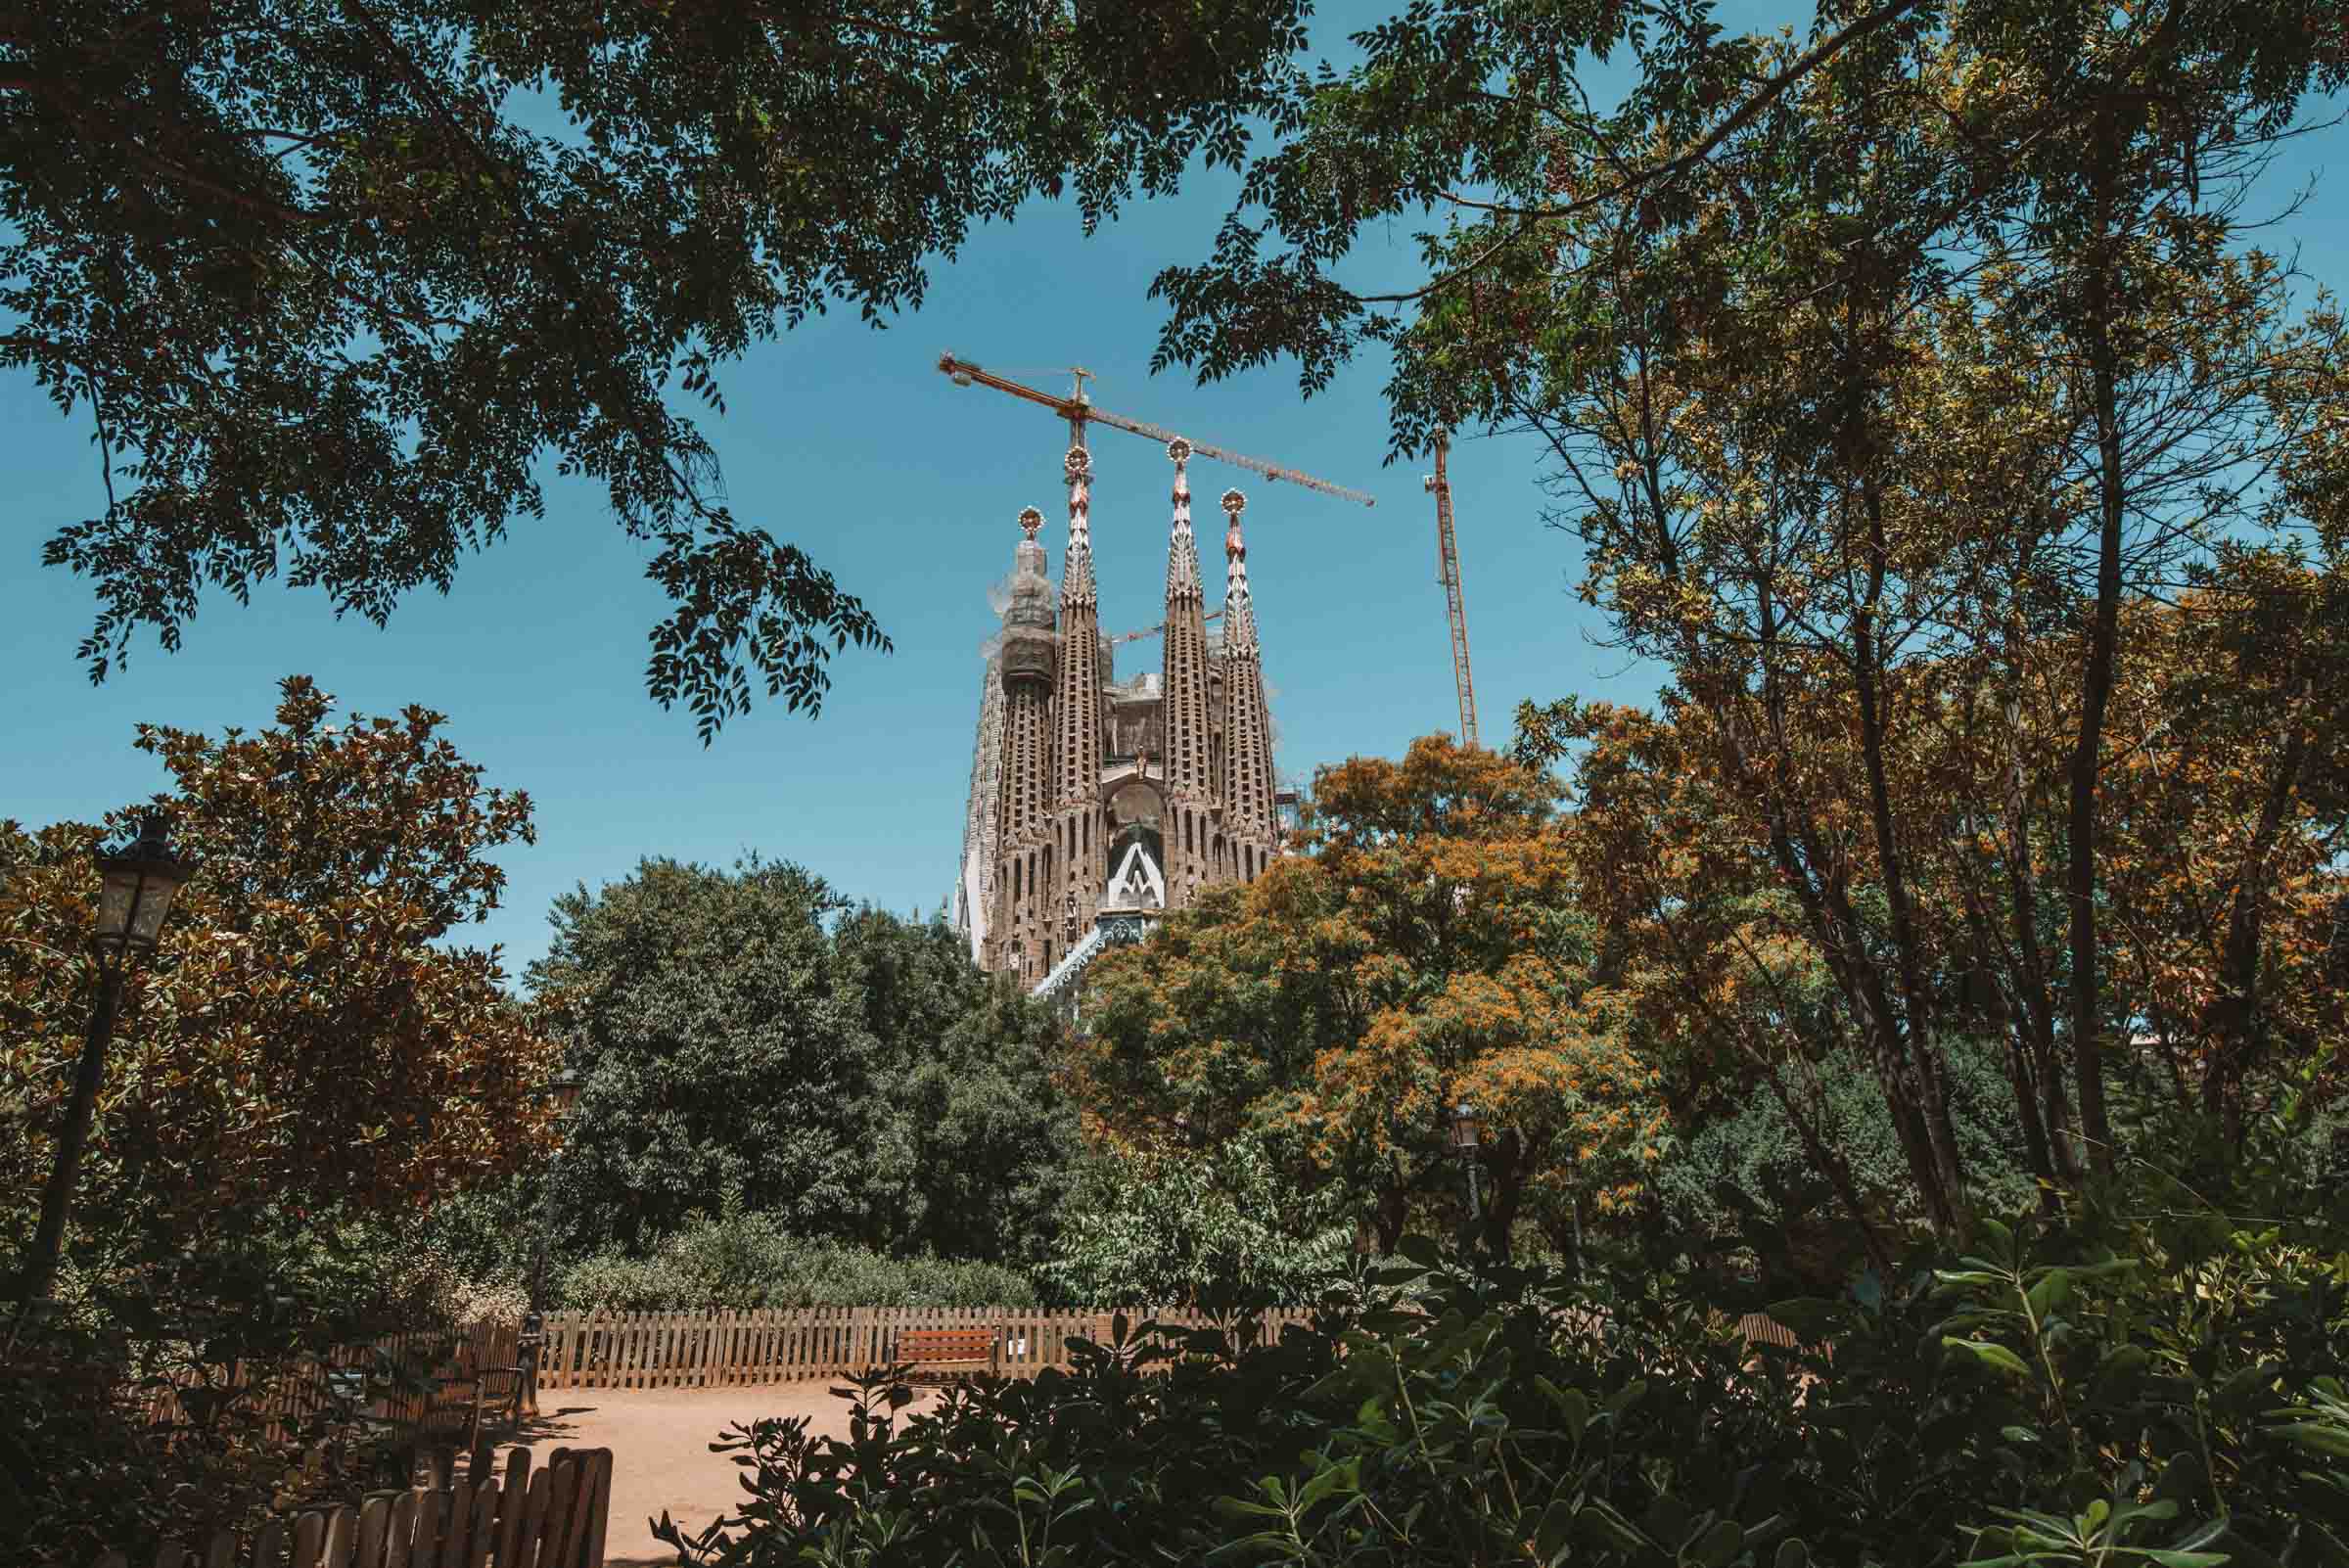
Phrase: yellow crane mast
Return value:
(1448, 573)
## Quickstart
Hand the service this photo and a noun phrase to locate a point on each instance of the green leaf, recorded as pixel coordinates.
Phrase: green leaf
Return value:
(2320, 1437)
(2241, 1392)
(1624, 1397)
(1238, 1509)
(1556, 1529)
(1811, 1319)
(1997, 1357)
(1573, 1406)
(1601, 1518)
(1792, 1553)
(1718, 1544)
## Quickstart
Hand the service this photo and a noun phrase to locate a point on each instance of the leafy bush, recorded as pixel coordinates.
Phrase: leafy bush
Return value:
(2044, 1398)
(1749, 1166)
(753, 1259)
(223, 1306)
(1224, 1230)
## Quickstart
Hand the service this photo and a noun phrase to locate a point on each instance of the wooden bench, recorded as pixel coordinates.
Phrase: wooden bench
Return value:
(940, 1350)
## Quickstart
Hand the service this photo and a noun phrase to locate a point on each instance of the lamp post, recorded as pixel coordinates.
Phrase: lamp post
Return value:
(137, 894)
(1463, 1138)
(563, 1090)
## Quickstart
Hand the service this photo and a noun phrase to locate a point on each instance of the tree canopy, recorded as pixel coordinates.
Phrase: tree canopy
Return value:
(1425, 952)
(303, 1034)
(326, 282)
(750, 1043)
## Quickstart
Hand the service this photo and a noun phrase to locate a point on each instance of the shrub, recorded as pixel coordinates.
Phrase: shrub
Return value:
(753, 1259)
(1224, 1230)
(2042, 1398)
(225, 1321)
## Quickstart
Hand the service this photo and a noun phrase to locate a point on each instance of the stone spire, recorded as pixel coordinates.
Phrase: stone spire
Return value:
(1248, 815)
(1189, 828)
(1074, 843)
(1077, 569)
(1182, 545)
(1027, 662)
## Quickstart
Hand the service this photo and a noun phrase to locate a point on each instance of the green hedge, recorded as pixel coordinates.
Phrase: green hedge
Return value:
(751, 1259)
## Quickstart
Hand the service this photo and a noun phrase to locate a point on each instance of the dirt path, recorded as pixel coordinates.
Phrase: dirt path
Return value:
(660, 1440)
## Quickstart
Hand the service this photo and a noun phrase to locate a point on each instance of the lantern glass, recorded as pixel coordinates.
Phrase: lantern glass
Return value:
(137, 893)
(563, 1089)
(1463, 1127)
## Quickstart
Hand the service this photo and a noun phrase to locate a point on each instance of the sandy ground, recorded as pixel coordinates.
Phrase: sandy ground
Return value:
(660, 1440)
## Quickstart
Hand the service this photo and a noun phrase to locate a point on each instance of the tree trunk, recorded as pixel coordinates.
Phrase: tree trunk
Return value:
(1505, 1192)
(1917, 1032)
(2095, 680)
(2233, 1024)
(2037, 996)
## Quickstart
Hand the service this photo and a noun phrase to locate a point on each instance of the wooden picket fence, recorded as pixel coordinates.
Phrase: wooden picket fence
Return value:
(784, 1345)
(288, 1406)
(553, 1518)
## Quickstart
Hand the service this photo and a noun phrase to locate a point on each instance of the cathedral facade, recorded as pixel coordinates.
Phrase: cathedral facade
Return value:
(1095, 804)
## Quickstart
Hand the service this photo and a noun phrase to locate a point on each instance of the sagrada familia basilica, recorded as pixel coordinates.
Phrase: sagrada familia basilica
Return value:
(1096, 805)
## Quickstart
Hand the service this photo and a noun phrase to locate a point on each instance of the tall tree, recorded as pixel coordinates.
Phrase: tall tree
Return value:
(718, 1059)
(1739, 309)
(747, 1039)
(303, 1034)
(1426, 953)
(326, 282)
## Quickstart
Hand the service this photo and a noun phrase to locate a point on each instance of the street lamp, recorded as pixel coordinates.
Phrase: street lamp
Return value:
(1463, 1138)
(138, 885)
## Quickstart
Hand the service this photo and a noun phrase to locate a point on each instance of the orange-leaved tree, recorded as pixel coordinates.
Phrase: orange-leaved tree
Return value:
(300, 1038)
(1424, 953)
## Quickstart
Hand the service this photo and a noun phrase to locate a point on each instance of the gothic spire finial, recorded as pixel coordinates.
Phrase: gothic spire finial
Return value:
(1182, 546)
(1077, 577)
(1031, 519)
(1235, 547)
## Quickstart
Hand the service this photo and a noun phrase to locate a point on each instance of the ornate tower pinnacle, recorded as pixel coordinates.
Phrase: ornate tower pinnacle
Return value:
(1076, 842)
(1248, 811)
(1239, 605)
(1182, 546)
(1077, 572)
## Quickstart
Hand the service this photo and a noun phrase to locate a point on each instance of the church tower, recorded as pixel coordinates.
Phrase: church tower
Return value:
(1248, 803)
(1074, 849)
(1025, 663)
(1188, 822)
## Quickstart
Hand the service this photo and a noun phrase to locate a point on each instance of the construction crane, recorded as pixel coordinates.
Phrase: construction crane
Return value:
(1122, 638)
(1448, 573)
(1078, 410)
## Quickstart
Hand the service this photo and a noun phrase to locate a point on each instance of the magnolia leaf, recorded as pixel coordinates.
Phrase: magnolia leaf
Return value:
(1997, 1356)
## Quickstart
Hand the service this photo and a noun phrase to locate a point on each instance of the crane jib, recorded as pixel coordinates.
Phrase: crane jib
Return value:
(1079, 412)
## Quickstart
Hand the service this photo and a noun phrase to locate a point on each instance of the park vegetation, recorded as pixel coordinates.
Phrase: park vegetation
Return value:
(1950, 962)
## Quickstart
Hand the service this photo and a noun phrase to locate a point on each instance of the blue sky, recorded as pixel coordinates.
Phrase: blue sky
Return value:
(848, 442)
